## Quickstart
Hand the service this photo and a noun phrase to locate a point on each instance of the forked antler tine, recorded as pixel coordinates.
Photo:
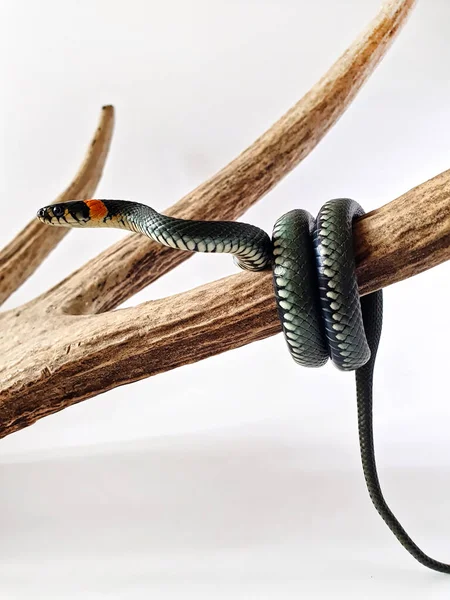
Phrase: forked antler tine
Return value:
(21, 257)
(133, 263)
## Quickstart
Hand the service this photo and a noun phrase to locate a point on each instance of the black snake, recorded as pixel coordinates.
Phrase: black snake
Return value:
(319, 306)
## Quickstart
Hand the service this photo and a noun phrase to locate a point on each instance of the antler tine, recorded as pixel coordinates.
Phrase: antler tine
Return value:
(133, 263)
(22, 256)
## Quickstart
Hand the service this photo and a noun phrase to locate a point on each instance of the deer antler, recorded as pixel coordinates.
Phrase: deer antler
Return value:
(58, 352)
(20, 258)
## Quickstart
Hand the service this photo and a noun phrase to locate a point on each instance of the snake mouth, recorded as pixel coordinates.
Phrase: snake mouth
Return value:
(53, 215)
(43, 214)
(64, 214)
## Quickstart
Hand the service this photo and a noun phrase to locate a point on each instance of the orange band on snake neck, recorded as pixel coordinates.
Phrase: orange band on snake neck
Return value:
(97, 209)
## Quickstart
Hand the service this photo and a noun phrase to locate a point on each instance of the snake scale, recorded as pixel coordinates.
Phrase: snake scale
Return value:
(321, 312)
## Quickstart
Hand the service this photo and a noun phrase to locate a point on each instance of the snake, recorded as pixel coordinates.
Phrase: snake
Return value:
(321, 311)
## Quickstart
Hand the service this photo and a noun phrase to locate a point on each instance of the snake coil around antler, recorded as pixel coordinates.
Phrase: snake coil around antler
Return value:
(319, 306)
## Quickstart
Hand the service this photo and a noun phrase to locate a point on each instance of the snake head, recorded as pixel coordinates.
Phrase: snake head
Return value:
(65, 214)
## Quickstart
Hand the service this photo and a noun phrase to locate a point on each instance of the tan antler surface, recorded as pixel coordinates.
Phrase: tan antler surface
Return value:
(57, 352)
(229, 193)
(69, 359)
(20, 258)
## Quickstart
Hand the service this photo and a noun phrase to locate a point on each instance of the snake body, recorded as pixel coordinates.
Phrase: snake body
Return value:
(319, 306)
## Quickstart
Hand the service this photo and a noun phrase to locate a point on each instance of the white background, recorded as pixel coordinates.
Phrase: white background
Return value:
(237, 477)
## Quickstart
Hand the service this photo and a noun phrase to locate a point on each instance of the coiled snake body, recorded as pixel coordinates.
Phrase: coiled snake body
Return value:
(319, 306)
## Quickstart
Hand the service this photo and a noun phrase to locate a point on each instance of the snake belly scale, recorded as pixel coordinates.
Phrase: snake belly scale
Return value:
(319, 306)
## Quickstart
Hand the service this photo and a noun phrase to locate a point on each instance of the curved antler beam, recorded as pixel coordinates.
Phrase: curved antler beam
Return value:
(22, 256)
(229, 193)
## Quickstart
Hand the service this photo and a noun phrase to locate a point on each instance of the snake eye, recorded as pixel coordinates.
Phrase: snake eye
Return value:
(58, 210)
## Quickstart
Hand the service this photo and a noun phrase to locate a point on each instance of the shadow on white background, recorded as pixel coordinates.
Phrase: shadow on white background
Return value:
(236, 513)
